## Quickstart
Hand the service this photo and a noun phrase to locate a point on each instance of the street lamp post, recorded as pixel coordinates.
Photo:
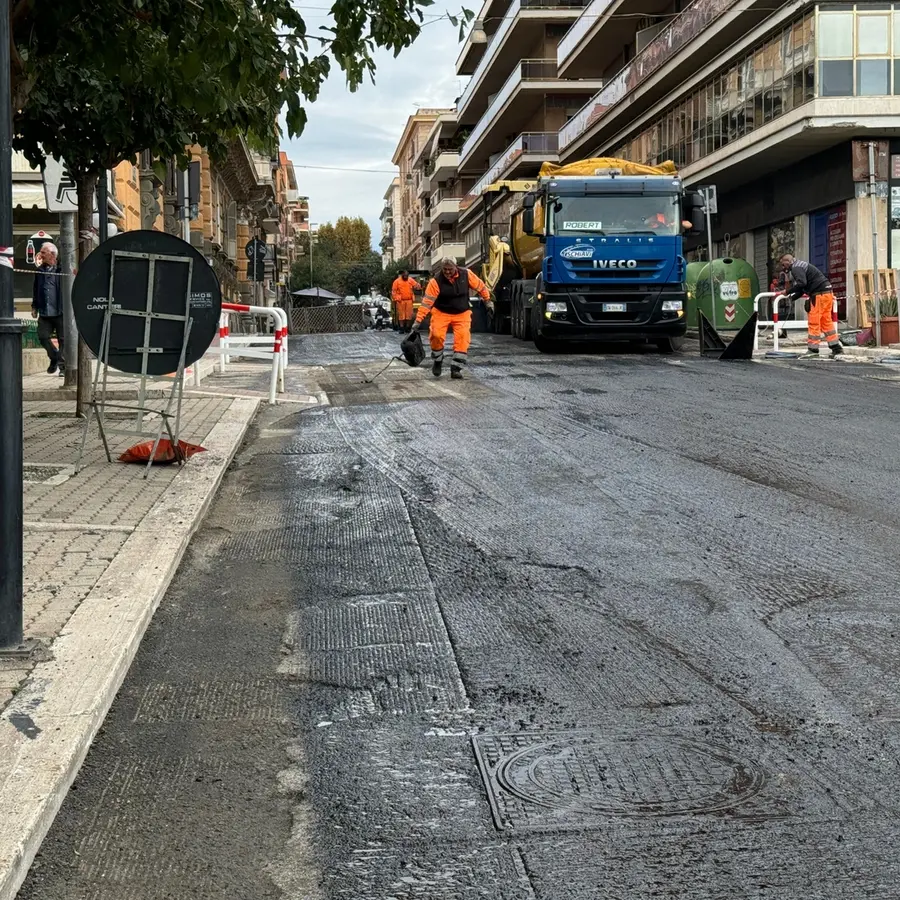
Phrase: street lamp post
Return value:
(11, 508)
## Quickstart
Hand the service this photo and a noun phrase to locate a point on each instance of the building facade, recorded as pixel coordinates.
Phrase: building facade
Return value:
(388, 212)
(780, 105)
(776, 104)
(412, 228)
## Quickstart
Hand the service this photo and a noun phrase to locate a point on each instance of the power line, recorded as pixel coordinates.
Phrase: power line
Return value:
(349, 169)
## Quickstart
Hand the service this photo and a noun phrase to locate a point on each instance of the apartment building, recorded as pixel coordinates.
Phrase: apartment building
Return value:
(775, 103)
(440, 191)
(388, 212)
(412, 227)
(515, 102)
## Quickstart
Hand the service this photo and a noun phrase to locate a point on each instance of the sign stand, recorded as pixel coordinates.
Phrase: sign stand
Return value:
(99, 403)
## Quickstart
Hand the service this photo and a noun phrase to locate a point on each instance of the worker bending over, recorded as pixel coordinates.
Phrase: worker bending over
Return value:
(402, 295)
(447, 299)
(805, 278)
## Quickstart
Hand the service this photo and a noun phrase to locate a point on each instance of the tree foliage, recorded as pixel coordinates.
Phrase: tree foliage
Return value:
(354, 239)
(360, 276)
(98, 82)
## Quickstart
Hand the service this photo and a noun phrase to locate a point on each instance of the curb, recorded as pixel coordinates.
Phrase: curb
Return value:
(48, 727)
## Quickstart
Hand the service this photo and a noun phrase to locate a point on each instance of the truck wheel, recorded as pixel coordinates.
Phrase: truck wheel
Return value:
(670, 345)
(526, 322)
(514, 329)
(533, 323)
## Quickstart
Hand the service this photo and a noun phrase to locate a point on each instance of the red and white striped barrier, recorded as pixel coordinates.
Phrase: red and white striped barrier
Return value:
(256, 346)
(797, 324)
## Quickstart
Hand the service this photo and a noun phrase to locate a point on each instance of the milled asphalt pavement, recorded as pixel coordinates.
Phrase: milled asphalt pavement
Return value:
(581, 626)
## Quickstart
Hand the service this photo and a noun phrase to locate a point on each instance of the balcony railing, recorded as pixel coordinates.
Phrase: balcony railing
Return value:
(585, 22)
(527, 70)
(454, 193)
(509, 20)
(545, 143)
(689, 25)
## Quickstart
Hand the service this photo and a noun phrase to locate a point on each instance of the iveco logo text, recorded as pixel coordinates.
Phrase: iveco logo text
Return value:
(578, 253)
(616, 263)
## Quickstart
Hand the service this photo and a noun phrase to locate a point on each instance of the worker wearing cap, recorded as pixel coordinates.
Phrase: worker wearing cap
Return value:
(402, 295)
(447, 299)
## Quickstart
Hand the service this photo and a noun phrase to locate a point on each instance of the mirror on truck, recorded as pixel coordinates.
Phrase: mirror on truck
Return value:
(695, 200)
(698, 221)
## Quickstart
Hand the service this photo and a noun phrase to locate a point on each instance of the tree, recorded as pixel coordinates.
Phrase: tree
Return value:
(325, 268)
(359, 276)
(354, 239)
(97, 83)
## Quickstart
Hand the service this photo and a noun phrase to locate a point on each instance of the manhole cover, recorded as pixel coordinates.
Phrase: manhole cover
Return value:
(569, 779)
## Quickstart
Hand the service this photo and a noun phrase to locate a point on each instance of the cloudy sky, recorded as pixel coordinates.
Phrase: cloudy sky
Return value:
(360, 131)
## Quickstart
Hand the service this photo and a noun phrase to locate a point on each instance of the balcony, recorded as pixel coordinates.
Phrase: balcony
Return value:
(696, 37)
(521, 28)
(491, 15)
(444, 165)
(444, 207)
(424, 186)
(515, 106)
(527, 152)
(593, 43)
(453, 248)
(425, 227)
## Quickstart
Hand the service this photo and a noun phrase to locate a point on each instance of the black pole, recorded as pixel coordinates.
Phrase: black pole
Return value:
(102, 207)
(10, 379)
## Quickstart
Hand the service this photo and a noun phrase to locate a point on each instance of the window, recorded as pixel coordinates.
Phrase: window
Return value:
(835, 39)
(836, 78)
(873, 37)
(873, 77)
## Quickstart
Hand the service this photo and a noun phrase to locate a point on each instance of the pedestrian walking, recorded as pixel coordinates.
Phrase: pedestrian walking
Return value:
(402, 295)
(47, 308)
(447, 299)
(805, 278)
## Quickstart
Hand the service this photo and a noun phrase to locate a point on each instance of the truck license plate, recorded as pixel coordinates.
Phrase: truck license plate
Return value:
(614, 307)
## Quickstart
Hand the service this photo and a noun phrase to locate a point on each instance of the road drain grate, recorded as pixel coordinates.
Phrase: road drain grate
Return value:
(583, 778)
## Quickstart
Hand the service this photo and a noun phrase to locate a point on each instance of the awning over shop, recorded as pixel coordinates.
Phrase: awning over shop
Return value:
(28, 195)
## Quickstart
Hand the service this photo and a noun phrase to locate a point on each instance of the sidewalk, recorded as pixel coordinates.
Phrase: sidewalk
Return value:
(100, 550)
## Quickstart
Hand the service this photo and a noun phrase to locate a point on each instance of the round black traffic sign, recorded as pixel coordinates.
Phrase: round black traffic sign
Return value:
(256, 248)
(135, 251)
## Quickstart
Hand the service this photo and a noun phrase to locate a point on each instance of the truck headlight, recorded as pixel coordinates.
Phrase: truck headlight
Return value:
(672, 305)
(557, 307)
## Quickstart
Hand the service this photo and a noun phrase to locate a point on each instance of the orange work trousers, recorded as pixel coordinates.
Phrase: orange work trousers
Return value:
(462, 333)
(404, 310)
(821, 326)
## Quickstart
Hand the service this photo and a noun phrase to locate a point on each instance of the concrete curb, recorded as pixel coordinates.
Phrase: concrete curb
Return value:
(48, 727)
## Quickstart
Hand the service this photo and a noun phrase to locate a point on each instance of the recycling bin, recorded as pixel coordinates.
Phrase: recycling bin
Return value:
(726, 299)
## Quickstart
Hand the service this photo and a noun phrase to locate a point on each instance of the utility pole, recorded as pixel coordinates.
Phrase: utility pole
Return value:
(11, 632)
(876, 280)
(68, 249)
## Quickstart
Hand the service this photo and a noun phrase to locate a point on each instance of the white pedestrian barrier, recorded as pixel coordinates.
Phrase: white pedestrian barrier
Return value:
(797, 324)
(272, 346)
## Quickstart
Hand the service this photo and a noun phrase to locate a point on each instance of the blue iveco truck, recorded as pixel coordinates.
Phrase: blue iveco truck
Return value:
(593, 253)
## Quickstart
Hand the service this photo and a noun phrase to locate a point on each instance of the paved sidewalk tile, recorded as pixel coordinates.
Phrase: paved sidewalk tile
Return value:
(76, 524)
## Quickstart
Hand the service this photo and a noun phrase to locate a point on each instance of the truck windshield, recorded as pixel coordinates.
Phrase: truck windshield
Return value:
(616, 214)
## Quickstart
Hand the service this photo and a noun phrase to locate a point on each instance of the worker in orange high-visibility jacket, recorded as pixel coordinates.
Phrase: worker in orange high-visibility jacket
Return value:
(402, 295)
(805, 278)
(447, 299)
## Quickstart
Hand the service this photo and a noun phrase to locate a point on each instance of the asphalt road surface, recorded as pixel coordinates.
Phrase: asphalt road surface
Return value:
(581, 626)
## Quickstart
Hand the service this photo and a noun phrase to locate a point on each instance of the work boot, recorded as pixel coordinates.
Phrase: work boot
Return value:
(837, 350)
(455, 372)
(51, 369)
(811, 353)
(437, 367)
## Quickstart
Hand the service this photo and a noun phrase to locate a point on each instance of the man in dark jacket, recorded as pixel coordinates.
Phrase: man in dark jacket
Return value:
(805, 278)
(47, 308)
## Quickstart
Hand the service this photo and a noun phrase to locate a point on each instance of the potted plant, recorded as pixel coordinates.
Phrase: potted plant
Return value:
(890, 323)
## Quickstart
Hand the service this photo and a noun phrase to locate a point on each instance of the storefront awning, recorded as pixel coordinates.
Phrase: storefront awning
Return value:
(28, 195)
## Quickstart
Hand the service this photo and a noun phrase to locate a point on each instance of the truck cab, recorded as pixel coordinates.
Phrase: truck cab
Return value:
(613, 264)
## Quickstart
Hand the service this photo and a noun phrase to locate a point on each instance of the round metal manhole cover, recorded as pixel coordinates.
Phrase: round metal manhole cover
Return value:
(646, 775)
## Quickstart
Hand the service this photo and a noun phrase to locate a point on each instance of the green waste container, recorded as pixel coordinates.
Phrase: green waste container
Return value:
(728, 301)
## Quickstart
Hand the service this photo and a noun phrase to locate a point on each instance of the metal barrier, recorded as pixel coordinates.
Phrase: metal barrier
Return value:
(256, 346)
(327, 319)
(774, 322)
